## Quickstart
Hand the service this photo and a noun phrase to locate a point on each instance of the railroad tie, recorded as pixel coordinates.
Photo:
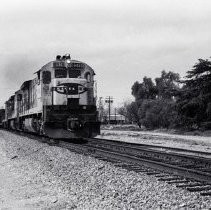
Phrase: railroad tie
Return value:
(103, 159)
(178, 181)
(169, 179)
(152, 173)
(199, 188)
(162, 175)
(113, 161)
(125, 165)
(140, 170)
(190, 185)
(205, 193)
(121, 165)
(205, 169)
(187, 165)
(137, 169)
(134, 166)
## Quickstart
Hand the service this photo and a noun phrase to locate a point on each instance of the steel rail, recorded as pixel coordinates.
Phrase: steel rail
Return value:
(139, 149)
(130, 158)
(152, 146)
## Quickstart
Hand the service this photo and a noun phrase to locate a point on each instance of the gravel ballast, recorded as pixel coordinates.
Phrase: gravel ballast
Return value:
(34, 175)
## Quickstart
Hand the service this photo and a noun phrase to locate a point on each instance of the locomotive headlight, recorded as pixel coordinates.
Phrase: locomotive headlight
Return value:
(68, 60)
(67, 56)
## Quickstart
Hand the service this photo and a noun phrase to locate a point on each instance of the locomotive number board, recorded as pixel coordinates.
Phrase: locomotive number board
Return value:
(58, 64)
(75, 65)
(69, 65)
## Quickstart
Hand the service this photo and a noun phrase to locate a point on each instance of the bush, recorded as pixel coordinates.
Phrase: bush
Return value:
(158, 113)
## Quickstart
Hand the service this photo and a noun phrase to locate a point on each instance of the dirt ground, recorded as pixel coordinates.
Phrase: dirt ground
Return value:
(200, 143)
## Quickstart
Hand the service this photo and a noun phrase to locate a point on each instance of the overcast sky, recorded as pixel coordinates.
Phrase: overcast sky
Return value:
(122, 40)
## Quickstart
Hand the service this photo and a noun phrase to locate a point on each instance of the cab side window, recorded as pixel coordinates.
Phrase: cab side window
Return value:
(88, 77)
(46, 77)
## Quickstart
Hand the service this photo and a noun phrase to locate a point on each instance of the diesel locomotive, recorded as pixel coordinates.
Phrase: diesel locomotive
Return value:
(59, 102)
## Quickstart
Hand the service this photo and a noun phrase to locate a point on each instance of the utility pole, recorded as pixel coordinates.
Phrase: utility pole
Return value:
(100, 109)
(115, 117)
(109, 100)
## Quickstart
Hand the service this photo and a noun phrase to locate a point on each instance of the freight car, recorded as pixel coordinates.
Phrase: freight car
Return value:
(59, 102)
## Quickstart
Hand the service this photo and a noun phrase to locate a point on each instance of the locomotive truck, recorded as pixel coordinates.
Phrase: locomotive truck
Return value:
(59, 102)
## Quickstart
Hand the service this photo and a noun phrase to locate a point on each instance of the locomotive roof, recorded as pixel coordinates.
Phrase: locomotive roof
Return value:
(11, 98)
(25, 85)
(49, 63)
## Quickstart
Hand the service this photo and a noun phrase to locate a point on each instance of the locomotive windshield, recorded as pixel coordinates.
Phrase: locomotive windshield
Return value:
(74, 69)
(60, 73)
(74, 73)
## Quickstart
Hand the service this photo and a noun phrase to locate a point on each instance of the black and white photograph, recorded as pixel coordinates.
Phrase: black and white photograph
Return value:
(105, 105)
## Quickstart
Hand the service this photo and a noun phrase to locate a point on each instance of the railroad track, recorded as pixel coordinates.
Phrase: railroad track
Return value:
(185, 168)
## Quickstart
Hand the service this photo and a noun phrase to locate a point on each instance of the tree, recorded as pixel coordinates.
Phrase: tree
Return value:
(133, 114)
(154, 101)
(103, 112)
(166, 104)
(167, 85)
(124, 110)
(144, 90)
(158, 113)
(195, 96)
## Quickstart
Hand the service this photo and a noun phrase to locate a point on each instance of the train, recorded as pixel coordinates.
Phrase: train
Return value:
(59, 102)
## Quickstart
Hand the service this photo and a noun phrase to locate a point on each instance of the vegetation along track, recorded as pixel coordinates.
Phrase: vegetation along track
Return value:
(185, 168)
